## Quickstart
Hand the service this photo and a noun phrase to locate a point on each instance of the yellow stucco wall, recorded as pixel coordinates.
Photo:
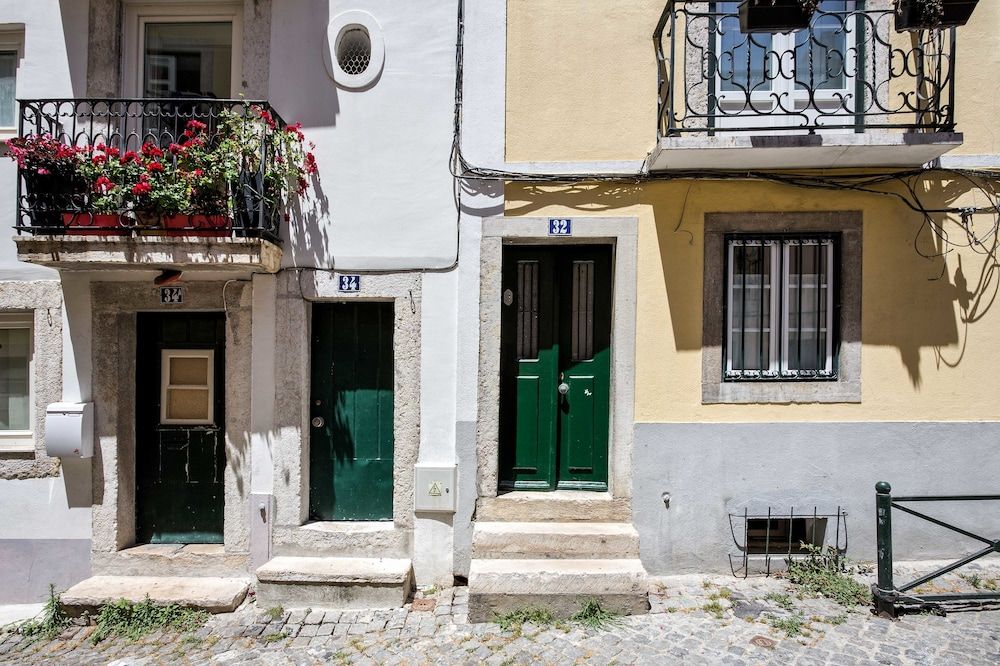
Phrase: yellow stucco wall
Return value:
(581, 80)
(920, 360)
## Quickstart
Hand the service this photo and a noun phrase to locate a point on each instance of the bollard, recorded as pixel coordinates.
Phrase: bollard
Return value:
(883, 538)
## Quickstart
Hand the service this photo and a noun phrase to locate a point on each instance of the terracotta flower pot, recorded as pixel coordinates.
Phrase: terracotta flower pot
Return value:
(910, 15)
(93, 224)
(197, 225)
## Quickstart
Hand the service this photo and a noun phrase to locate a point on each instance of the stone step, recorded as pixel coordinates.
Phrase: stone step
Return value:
(215, 595)
(561, 586)
(561, 506)
(334, 582)
(571, 541)
(171, 560)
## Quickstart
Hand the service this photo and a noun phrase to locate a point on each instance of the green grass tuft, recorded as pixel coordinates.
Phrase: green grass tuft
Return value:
(794, 625)
(593, 615)
(521, 616)
(132, 620)
(824, 573)
(780, 600)
(50, 623)
(274, 613)
(715, 608)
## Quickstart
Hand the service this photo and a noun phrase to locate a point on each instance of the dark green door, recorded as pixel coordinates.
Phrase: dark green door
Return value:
(351, 432)
(555, 367)
(180, 440)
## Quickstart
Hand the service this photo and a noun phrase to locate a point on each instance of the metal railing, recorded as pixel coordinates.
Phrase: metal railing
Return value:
(890, 597)
(766, 536)
(243, 207)
(849, 71)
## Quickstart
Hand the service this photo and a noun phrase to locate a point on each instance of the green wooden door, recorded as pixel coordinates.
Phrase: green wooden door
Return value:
(179, 432)
(555, 367)
(351, 432)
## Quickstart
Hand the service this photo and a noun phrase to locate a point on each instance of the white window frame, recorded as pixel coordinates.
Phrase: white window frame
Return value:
(12, 40)
(165, 356)
(18, 441)
(140, 14)
(780, 285)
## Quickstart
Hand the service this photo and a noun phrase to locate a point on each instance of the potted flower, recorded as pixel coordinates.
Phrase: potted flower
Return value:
(50, 172)
(273, 164)
(932, 14)
(204, 165)
(776, 15)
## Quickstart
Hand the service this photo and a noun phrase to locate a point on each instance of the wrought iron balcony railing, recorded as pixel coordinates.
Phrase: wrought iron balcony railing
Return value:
(849, 71)
(204, 177)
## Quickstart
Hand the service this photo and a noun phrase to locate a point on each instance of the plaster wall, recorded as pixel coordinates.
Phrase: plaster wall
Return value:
(711, 470)
(385, 198)
(928, 328)
(581, 80)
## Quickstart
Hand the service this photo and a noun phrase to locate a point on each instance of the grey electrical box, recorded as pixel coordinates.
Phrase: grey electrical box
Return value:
(435, 488)
(69, 430)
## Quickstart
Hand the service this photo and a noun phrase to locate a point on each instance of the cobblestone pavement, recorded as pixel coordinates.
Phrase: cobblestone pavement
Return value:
(693, 620)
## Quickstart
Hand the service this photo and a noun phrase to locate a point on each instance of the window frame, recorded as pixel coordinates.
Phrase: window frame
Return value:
(138, 15)
(779, 308)
(165, 386)
(17, 441)
(12, 41)
(846, 387)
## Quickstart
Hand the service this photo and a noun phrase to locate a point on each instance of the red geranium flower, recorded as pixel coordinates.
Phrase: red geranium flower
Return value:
(151, 150)
(196, 125)
(103, 185)
(154, 167)
(99, 158)
(141, 188)
(131, 156)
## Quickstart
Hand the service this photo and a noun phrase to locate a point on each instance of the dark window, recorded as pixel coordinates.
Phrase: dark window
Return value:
(781, 309)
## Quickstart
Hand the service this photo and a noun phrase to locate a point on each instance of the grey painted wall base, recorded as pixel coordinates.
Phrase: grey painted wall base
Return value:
(711, 470)
(30, 565)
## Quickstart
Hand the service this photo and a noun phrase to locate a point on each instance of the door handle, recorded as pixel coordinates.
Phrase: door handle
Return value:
(563, 388)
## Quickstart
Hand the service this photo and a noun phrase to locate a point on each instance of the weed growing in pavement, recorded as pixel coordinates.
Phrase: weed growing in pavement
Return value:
(823, 572)
(132, 620)
(274, 613)
(594, 616)
(715, 608)
(833, 620)
(793, 625)
(780, 600)
(50, 623)
(274, 636)
(975, 580)
(518, 617)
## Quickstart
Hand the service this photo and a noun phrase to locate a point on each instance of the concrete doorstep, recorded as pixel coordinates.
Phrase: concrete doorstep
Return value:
(334, 582)
(215, 595)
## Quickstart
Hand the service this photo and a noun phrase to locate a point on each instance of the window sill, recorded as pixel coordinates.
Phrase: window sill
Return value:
(779, 392)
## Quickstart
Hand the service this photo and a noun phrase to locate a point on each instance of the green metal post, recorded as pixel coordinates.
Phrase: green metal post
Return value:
(883, 537)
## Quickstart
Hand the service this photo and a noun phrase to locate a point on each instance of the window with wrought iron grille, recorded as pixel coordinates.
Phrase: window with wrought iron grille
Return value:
(781, 314)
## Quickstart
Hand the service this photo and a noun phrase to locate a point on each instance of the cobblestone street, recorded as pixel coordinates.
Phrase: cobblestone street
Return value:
(693, 620)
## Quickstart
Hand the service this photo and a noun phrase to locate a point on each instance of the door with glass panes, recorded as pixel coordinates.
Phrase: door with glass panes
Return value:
(799, 78)
(555, 367)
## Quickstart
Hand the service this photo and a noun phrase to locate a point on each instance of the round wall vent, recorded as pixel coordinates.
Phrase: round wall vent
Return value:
(355, 51)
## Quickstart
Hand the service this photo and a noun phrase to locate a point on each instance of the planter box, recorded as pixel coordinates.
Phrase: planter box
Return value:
(197, 225)
(910, 15)
(782, 16)
(93, 224)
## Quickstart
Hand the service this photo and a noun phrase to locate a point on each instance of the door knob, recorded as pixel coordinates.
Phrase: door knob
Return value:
(318, 422)
(563, 388)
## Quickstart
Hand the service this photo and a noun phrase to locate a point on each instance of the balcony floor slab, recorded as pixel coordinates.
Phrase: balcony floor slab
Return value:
(801, 151)
(69, 252)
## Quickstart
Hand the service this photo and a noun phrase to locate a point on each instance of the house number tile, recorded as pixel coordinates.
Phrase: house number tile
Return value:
(348, 283)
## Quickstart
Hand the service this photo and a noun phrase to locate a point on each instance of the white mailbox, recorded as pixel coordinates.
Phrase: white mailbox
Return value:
(435, 488)
(69, 430)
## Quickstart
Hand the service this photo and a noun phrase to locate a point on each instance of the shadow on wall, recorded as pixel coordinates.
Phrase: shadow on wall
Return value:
(918, 291)
(74, 14)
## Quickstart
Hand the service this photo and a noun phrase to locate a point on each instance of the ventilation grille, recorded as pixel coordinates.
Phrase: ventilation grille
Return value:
(354, 51)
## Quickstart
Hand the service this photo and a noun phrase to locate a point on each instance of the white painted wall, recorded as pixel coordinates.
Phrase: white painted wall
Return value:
(385, 200)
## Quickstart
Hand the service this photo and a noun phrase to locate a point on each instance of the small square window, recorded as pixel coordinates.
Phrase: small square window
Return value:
(187, 392)
(15, 382)
(781, 316)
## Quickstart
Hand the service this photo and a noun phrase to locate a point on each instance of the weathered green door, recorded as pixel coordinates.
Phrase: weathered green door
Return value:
(351, 432)
(555, 367)
(179, 427)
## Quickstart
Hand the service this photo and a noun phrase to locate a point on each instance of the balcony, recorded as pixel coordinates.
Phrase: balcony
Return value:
(849, 91)
(184, 184)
